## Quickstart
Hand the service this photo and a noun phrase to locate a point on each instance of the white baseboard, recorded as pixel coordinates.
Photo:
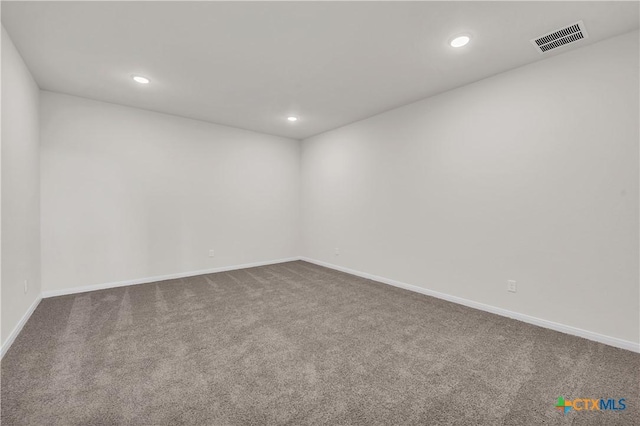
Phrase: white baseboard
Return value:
(607, 340)
(18, 328)
(84, 289)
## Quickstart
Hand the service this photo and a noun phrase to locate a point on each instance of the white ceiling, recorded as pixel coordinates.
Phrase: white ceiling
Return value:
(250, 65)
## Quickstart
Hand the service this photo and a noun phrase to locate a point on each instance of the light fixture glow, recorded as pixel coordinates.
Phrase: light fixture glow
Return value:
(460, 41)
(292, 118)
(140, 79)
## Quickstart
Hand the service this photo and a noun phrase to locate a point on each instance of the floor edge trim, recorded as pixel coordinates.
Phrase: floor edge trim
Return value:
(567, 329)
(146, 280)
(18, 328)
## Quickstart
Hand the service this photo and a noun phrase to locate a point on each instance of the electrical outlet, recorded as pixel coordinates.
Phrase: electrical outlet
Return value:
(26, 286)
(337, 251)
(512, 286)
(211, 253)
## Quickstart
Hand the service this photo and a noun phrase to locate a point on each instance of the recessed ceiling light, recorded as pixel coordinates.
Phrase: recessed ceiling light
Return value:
(292, 118)
(460, 41)
(140, 79)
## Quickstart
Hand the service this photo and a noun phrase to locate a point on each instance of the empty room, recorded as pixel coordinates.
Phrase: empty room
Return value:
(320, 213)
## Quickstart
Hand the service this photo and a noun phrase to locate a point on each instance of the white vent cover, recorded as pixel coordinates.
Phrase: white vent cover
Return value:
(554, 39)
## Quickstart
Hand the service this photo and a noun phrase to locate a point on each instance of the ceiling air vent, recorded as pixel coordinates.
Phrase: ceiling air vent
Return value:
(557, 38)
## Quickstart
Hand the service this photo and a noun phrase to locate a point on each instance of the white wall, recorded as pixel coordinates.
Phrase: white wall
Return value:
(20, 189)
(530, 175)
(129, 194)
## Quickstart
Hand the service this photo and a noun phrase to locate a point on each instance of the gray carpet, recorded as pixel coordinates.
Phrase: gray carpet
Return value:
(298, 344)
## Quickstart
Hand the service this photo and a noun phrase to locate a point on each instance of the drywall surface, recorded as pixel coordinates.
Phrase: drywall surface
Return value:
(20, 189)
(530, 175)
(129, 194)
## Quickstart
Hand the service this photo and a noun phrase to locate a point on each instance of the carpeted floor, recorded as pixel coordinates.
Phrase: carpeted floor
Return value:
(298, 344)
